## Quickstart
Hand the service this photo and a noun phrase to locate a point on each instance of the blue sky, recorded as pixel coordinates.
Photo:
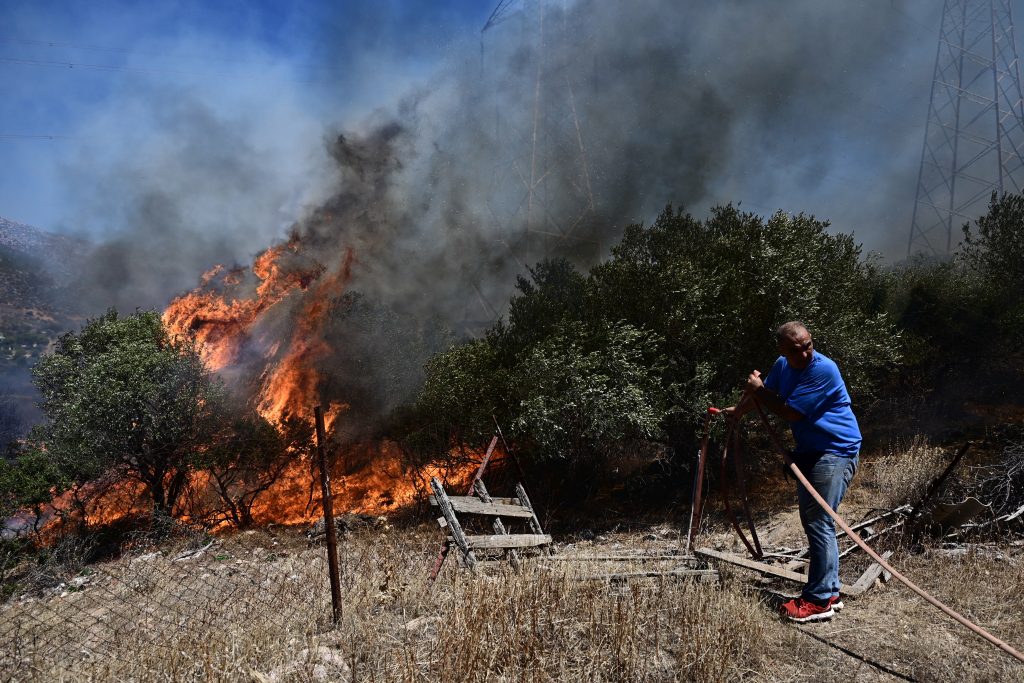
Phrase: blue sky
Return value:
(74, 70)
(270, 80)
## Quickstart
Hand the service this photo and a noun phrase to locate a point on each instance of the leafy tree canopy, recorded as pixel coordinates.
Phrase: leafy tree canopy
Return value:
(122, 395)
(637, 348)
(994, 253)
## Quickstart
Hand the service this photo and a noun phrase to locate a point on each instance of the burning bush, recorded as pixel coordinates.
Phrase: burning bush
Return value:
(246, 460)
(134, 414)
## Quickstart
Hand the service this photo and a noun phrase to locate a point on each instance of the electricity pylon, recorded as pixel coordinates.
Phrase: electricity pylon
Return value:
(539, 199)
(974, 137)
(542, 182)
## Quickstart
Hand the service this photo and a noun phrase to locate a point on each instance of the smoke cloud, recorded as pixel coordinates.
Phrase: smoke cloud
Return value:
(564, 123)
(481, 172)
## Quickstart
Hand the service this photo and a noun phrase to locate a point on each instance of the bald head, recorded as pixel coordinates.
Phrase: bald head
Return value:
(794, 342)
(790, 329)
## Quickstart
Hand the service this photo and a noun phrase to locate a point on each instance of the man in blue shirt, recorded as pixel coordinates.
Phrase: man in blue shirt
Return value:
(805, 388)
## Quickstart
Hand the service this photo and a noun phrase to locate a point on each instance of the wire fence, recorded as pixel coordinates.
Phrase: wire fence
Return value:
(65, 619)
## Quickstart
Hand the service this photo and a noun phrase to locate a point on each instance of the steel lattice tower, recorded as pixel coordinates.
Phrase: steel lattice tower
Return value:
(538, 194)
(545, 158)
(974, 138)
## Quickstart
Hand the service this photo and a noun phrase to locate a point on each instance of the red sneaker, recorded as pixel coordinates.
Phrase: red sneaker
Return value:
(801, 611)
(836, 603)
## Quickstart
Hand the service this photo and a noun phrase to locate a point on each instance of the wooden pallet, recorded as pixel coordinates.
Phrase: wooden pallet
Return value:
(499, 510)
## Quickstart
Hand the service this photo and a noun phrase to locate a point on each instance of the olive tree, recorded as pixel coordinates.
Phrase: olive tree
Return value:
(636, 349)
(123, 396)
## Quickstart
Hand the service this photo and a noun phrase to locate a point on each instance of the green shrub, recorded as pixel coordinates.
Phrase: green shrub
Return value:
(123, 395)
(636, 350)
(582, 391)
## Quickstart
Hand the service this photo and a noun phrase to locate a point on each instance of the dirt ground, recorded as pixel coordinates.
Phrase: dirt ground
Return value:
(254, 606)
(889, 633)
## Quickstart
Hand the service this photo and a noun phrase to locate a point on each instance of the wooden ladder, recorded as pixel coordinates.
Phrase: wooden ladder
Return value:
(500, 510)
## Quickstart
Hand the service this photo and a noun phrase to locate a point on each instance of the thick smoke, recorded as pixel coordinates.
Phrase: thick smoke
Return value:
(566, 123)
(188, 186)
(632, 104)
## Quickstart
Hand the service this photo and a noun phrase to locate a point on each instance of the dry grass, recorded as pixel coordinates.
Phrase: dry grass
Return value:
(903, 474)
(249, 610)
(255, 607)
(892, 627)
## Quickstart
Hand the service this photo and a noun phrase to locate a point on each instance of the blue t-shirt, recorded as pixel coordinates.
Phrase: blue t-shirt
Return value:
(819, 394)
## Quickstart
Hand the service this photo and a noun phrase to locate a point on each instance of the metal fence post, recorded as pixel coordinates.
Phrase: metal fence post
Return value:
(328, 506)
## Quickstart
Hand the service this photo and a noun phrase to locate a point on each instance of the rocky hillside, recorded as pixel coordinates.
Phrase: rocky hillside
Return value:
(35, 307)
(57, 254)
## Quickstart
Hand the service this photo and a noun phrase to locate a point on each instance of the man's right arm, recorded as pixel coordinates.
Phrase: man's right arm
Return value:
(773, 402)
(768, 397)
(745, 404)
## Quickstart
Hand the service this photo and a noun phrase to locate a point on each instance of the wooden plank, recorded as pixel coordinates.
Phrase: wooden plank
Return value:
(525, 500)
(798, 560)
(475, 506)
(499, 526)
(796, 565)
(868, 522)
(871, 537)
(751, 564)
(1013, 515)
(782, 555)
(508, 541)
(867, 579)
(763, 568)
(453, 523)
(700, 573)
(512, 502)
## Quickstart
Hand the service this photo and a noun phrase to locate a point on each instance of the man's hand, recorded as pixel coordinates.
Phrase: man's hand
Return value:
(753, 382)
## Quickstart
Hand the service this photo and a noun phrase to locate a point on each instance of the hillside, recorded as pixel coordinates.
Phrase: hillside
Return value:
(255, 606)
(35, 267)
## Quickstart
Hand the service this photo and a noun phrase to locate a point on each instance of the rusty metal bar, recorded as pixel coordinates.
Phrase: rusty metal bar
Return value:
(328, 506)
(741, 484)
(696, 497)
(731, 446)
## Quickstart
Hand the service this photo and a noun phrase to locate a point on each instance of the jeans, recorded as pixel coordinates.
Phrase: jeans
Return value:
(830, 474)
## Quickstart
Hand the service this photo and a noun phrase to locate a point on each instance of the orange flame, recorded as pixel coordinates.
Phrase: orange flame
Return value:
(379, 484)
(222, 321)
(224, 314)
(290, 386)
(366, 478)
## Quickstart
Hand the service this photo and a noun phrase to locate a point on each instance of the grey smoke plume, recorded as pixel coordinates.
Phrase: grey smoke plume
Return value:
(693, 104)
(734, 101)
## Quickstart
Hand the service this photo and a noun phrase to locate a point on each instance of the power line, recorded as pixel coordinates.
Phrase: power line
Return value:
(133, 69)
(501, 13)
(20, 136)
(52, 43)
(154, 53)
